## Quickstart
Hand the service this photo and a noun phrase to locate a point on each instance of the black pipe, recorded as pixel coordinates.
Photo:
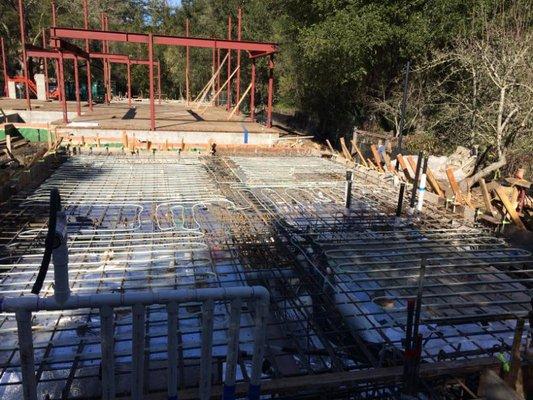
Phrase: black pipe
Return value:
(49, 243)
(417, 178)
(400, 200)
(348, 192)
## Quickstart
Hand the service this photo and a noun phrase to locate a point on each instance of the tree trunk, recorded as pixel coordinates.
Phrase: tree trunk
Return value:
(486, 171)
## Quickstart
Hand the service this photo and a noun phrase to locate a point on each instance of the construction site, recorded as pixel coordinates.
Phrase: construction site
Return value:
(158, 248)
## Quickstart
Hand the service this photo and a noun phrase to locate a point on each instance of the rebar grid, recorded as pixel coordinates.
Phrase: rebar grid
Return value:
(339, 280)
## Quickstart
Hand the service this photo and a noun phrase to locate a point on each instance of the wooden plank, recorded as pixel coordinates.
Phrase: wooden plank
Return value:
(405, 168)
(377, 158)
(330, 147)
(391, 375)
(486, 197)
(359, 153)
(371, 164)
(434, 183)
(388, 164)
(345, 150)
(455, 186)
(509, 208)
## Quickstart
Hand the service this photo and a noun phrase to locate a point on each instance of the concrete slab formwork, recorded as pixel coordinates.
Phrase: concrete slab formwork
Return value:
(339, 279)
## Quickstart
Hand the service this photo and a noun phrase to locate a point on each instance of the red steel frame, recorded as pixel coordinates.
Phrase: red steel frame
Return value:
(254, 49)
(4, 66)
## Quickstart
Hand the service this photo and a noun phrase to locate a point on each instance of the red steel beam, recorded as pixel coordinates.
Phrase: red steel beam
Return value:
(116, 36)
(128, 70)
(61, 86)
(159, 81)
(228, 89)
(252, 93)
(88, 50)
(270, 90)
(4, 67)
(45, 66)
(77, 85)
(151, 78)
(54, 24)
(187, 55)
(24, 58)
(238, 78)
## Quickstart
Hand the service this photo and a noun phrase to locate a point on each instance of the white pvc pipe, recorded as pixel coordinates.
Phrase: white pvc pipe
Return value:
(206, 360)
(60, 260)
(172, 344)
(233, 350)
(27, 361)
(137, 347)
(421, 192)
(34, 303)
(108, 352)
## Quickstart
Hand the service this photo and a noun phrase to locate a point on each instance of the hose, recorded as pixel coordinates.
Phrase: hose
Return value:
(49, 243)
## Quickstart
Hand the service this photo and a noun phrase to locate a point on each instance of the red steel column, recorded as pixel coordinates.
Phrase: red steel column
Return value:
(45, 66)
(151, 78)
(62, 88)
(159, 82)
(77, 86)
(238, 79)
(218, 76)
(187, 88)
(270, 90)
(109, 65)
(88, 62)
(213, 69)
(54, 24)
(4, 67)
(252, 93)
(104, 61)
(228, 100)
(129, 82)
(24, 58)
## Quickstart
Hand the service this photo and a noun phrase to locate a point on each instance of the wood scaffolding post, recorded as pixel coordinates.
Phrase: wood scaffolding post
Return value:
(45, 65)
(228, 95)
(77, 86)
(151, 78)
(187, 54)
(252, 93)
(24, 58)
(88, 50)
(238, 78)
(4, 67)
(270, 89)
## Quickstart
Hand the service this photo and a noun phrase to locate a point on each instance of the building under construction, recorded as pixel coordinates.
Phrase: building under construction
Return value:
(182, 249)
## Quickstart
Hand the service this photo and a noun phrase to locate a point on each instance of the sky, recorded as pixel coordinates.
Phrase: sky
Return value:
(174, 3)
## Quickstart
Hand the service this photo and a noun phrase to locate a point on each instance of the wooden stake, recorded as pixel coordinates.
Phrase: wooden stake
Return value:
(240, 101)
(486, 197)
(500, 192)
(514, 369)
(8, 143)
(434, 183)
(455, 187)
(359, 153)
(377, 158)
(345, 150)
(404, 167)
(330, 147)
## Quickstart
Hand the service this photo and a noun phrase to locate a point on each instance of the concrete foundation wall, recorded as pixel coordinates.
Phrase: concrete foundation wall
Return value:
(115, 136)
(40, 116)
